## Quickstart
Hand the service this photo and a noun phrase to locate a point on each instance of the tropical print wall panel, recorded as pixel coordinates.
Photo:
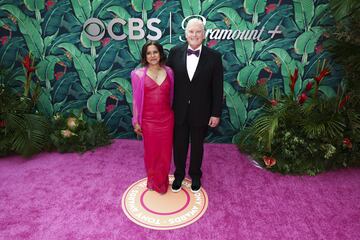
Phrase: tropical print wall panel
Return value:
(77, 74)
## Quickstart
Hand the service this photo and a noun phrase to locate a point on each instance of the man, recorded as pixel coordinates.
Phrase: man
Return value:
(198, 94)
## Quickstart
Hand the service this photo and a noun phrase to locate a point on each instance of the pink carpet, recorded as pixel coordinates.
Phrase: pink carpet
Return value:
(72, 196)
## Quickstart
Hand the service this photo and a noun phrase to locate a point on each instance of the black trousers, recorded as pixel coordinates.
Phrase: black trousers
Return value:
(183, 135)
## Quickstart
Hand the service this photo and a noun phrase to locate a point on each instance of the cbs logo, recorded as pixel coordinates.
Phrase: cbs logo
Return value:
(94, 29)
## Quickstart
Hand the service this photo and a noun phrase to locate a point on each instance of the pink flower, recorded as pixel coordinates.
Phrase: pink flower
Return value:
(347, 143)
(308, 86)
(28, 65)
(2, 123)
(158, 4)
(273, 102)
(67, 133)
(49, 4)
(319, 48)
(4, 40)
(212, 43)
(72, 123)
(262, 81)
(344, 101)
(271, 7)
(105, 41)
(293, 79)
(58, 75)
(321, 76)
(269, 161)
(302, 98)
(110, 107)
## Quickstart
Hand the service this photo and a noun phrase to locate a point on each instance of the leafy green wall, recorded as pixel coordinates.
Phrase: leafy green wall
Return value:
(94, 76)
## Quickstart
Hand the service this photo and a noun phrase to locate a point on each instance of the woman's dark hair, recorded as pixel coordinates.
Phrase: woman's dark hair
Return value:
(159, 48)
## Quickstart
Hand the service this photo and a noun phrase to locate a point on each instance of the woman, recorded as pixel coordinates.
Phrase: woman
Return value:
(153, 118)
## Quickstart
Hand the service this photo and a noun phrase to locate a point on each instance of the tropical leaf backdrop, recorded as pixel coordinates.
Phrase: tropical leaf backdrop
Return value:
(94, 77)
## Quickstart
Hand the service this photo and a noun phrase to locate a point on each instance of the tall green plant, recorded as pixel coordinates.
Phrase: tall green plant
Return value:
(22, 131)
(344, 43)
(300, 134)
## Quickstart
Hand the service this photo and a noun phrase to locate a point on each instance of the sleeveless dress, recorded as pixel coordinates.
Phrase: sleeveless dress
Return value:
(157, 129)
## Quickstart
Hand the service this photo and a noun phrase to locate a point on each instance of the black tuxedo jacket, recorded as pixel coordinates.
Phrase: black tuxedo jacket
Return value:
(199, 99)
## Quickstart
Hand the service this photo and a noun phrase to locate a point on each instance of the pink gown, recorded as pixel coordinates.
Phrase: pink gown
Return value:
(157, 129)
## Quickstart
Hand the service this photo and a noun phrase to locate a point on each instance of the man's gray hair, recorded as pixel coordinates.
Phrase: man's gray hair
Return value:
(194, 21)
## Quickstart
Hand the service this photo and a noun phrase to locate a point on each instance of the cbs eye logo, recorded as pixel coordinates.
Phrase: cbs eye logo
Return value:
(94, 29)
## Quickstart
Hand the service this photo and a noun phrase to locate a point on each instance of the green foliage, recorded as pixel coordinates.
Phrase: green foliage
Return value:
(25, 131)
(76, 73)
(29, 28)
(74, 134)
(28, 133)
(303, 135)
(140, 5)
(22, 130)
(344, 43)
(311, 129)
(302, 139)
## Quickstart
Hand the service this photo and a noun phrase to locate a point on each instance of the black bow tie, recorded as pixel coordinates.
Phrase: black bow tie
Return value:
(196, 53)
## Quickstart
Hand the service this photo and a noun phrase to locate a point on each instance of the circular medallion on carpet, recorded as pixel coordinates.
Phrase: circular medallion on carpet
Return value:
(163, 211)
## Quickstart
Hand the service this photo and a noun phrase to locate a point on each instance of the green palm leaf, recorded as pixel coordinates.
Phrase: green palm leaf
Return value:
(254, 7)
(236, 106)
(30, 133)
(30, 29)
(192, 7)
(304, 12)
(84, 65)
(82, 9)
(140, 5)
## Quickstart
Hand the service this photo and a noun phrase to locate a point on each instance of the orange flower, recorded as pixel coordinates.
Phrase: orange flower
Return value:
(269, 161)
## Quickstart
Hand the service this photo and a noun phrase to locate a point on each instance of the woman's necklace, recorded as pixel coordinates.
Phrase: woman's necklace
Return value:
(155, 73)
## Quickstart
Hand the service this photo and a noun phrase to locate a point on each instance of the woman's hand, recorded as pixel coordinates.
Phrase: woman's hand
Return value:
(137, 129)
(214, 121)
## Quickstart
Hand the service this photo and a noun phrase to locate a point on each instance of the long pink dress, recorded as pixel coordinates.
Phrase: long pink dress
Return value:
(157, 129)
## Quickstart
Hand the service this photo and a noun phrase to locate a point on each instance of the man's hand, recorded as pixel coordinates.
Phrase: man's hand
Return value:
(214, 121)
(137, 129)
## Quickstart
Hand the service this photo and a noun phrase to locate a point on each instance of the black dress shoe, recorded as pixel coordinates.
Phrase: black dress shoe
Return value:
(176, 185)
(195, 185)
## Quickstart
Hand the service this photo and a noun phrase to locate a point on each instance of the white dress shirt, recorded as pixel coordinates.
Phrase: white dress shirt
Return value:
(192, 62)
